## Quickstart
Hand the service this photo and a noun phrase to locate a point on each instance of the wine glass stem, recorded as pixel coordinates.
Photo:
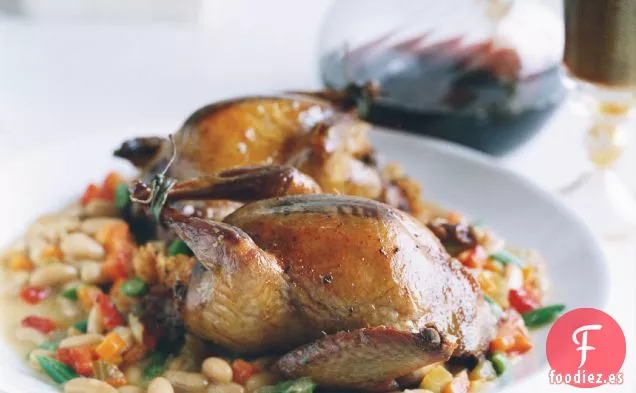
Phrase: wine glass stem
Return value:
(606, 138)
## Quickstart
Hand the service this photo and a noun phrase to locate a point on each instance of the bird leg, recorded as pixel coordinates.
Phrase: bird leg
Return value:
(369, 358)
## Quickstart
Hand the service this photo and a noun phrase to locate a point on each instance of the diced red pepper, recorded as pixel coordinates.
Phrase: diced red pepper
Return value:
(150, 340)
(34, 295)
(79, 358)
(474, 257)
(92, 191)
(110, 315)
(242, 371)
(44, 325)
(522, 300)
(109, 185)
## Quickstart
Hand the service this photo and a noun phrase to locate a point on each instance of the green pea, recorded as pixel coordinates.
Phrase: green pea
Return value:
(134, 287)
(499, 362)
(70, 293)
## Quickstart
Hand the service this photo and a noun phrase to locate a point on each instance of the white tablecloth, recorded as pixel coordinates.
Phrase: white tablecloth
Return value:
(61, 80)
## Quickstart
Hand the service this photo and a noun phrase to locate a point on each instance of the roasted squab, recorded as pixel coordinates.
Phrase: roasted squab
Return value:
(355, 292)
(311, 133)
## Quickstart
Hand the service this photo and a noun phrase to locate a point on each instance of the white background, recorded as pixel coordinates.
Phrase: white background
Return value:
(89, 69)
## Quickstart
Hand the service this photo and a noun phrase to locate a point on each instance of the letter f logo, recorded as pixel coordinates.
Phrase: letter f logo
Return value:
(583, 344)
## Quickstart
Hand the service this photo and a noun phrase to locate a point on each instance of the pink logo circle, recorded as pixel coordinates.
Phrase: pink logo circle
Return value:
(586, 348)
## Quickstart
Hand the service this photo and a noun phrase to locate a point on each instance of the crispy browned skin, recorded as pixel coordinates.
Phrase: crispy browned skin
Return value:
(325, 263)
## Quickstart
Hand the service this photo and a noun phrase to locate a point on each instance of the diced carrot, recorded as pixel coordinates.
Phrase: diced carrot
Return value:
(41, 324)
(242, 371)
(112, 348)
(20, 262)
(110, 183)
(52, 252)
(34, 295)
(92, 191)
(512, 335)
(454, 217)
(460, 384)
(117, 382)
(110, 315)
(113, 236)
(79, 358)
(87, 295)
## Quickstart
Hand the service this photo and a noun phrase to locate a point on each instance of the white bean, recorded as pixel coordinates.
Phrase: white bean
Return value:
(133, 373)
(100, 208)
(131, 389)
(36, 247)
(259, 380)
(55, 273)
(217, 370)
(81, 341)
(126, 334)
(160, 385)
(30, 335)
(95, 321)
(226, 388)
(35, 354)
(15, 282)
(72, 210)
(187, 381)
(90, 226)
(53, 226)
(92, 272)
(88, 385)
(136, 327)
(81, 246)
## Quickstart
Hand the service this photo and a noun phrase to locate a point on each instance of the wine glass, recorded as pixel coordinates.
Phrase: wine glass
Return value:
(600, 58)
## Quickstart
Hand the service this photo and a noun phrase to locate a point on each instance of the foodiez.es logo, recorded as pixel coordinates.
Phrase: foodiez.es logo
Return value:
(586, 348)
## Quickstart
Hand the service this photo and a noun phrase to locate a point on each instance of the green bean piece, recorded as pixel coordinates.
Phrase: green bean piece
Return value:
(58, 371)
(303, 385)
(542, 316)
(122, 196)
(508, 258)
(82, 326)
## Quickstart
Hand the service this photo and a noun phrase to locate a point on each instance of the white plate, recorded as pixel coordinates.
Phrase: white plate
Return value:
(457, 178)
